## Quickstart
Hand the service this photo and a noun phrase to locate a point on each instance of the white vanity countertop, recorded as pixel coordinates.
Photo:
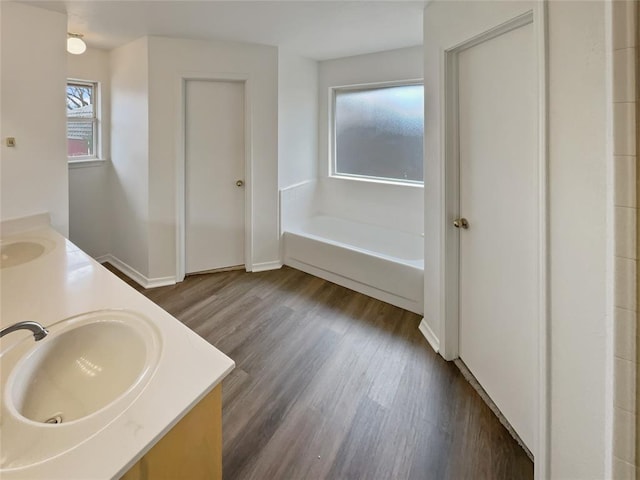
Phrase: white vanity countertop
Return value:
(65, 282)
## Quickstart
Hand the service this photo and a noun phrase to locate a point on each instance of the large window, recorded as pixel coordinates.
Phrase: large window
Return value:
(82, 120)
(378, 133)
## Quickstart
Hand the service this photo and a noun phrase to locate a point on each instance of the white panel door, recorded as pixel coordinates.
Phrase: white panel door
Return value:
(498, 312)
(214, 162)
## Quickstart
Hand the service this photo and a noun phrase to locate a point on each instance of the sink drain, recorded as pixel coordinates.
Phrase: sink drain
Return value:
(54, 420)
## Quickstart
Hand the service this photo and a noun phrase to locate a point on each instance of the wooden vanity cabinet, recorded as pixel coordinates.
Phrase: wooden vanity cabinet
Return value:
(192, 449)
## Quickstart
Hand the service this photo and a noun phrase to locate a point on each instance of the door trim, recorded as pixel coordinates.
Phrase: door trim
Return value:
(449, 341)
(180, 169)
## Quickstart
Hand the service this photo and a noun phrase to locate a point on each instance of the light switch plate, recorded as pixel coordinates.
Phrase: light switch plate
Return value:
(11, 142)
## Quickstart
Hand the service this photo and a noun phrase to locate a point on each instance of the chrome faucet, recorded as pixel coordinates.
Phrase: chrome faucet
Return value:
(39, 332)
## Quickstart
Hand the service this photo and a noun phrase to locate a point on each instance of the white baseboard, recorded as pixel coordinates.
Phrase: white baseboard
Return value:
(431, 337)
(363, 288)
(160, 282)
(263, 267)
(103, 258)
(134, 275)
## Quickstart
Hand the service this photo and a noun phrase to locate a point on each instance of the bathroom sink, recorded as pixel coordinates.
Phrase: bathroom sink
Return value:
(85, 373)
(78, 372)
(16, 253)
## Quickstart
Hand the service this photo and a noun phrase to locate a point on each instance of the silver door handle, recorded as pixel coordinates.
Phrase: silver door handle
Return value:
(461, 223)
(239, 183)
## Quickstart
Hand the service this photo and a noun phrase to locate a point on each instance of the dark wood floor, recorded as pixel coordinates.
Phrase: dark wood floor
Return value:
(331, 384)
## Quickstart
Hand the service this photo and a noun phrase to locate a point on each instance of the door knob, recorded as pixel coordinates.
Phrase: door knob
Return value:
(239, 183)
(461, 223)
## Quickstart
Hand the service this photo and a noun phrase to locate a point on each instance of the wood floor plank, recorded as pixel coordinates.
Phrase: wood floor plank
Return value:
(356, 457)
(331, 384)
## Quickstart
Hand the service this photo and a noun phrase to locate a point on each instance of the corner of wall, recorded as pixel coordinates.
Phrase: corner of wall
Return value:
(297, 118)
(129, 175)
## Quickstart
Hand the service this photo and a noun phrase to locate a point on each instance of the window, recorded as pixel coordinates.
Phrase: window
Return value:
(378, 133)
(82, 120)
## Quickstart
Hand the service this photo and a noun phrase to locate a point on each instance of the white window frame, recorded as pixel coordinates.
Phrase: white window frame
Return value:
(95, 120)
(332, 132)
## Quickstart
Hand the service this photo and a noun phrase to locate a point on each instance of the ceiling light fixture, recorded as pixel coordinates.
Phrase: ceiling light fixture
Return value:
(75, 44)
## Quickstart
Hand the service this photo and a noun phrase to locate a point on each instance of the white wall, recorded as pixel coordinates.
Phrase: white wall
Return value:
(578, 235)
(297, 119)
(34, 70)
(389, 205)
(89, 191)
(171, 59)
(130, 155)
(578, 215)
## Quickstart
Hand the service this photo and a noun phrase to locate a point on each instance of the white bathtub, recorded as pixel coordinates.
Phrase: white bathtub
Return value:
(377, 261)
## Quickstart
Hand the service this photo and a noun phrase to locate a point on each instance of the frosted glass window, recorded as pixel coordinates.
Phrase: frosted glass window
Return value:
(379, 133)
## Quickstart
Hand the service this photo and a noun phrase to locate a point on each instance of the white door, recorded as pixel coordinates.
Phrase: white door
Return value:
(498, 282)
(214, 165)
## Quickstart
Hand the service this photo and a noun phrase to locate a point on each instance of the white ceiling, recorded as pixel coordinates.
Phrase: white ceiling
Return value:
(316, 29)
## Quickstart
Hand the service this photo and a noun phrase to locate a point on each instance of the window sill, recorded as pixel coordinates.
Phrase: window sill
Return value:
(93, 162)
(377, 181)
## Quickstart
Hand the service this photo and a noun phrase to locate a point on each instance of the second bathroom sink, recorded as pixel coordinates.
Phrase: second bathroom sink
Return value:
(16, 253)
